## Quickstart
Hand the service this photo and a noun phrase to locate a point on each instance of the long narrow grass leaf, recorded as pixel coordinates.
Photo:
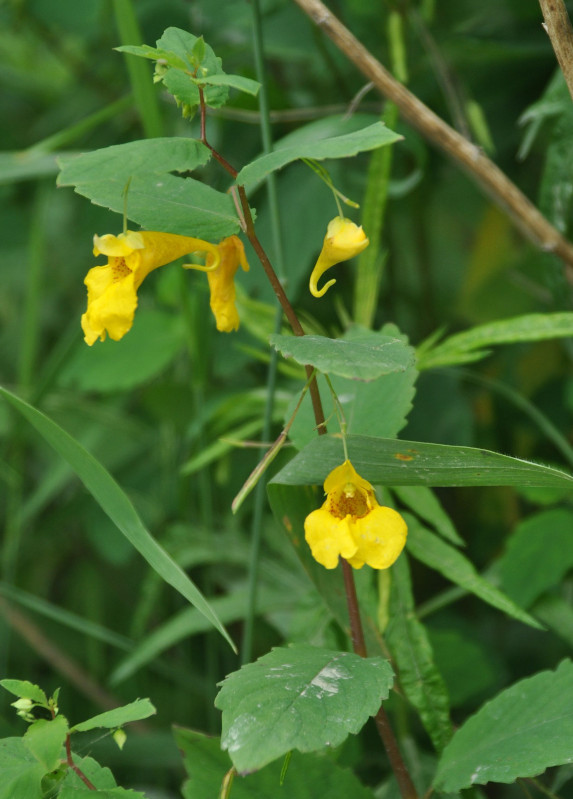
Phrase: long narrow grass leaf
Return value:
(117, 505)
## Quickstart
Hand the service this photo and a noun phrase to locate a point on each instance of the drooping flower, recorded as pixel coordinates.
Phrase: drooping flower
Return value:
(352, 524)
(222, 282)
(343, 241)
(112, 288)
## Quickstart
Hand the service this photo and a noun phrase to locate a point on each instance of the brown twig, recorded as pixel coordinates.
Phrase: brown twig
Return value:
(468, 156)
(558, 27)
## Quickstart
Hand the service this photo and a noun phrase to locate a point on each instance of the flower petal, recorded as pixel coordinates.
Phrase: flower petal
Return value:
(98, 280)
(328, 538)
(343, 474)
(112, 312)
(118, 246)
(380, 537)
(222, 283)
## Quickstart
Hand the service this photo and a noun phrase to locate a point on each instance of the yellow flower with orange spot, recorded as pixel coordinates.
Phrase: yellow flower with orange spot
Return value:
(351, 524)
(343, 241)
(112, 288)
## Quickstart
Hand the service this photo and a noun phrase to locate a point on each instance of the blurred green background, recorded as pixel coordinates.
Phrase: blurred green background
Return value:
(75, 598)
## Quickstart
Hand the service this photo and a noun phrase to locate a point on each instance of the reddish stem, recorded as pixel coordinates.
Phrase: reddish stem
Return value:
(267, 266)
(285, 304)
(403, 779)
(75, 768)
(405, 784)
(358, 642)
(223, 161)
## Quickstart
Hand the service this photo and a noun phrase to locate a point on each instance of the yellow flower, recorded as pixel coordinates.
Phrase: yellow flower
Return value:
(343, 241)
(353, 525)
(222, 284)
(112, 288)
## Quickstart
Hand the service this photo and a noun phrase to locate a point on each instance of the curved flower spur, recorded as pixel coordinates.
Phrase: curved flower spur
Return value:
(344, 239)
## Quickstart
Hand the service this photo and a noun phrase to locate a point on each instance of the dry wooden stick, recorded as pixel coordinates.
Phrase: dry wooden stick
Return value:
(467, 155)
(558, 26)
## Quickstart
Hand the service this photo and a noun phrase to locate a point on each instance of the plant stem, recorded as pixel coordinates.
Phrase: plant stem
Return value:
(405, 784)
(223, 161)
(558, 27)
(269, 271)
(75, 768)
(358, 642)
(285, 304)
(403, 779)
(467, 155)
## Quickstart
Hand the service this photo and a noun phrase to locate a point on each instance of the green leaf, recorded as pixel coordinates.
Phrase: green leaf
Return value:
(180, 80)
(68, 792)
(524, 730)
(21, 772)
(411, 649)
(437, 554)
(154, 341)
(538, 555)
(350, 144)
(156, 200)
(135, 711)
(98, 775)
(138, 158)
(390, 462)
(115, 503)
(377, 408)
(469, 345)
(27, 165)
(234, 81)
(25, 690)
(154, 54)
(468, 665)
(362, 358)
(556, 614)
(308, 776)
(425, 504)
(298, 698)
(45, 740)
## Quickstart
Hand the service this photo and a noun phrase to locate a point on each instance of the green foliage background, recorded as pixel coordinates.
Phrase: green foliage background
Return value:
(78, 606)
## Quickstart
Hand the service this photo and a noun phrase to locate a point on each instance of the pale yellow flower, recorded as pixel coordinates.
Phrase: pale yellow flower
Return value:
(112, 288)
(343, 240)
(222, 282)
(351, 524)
